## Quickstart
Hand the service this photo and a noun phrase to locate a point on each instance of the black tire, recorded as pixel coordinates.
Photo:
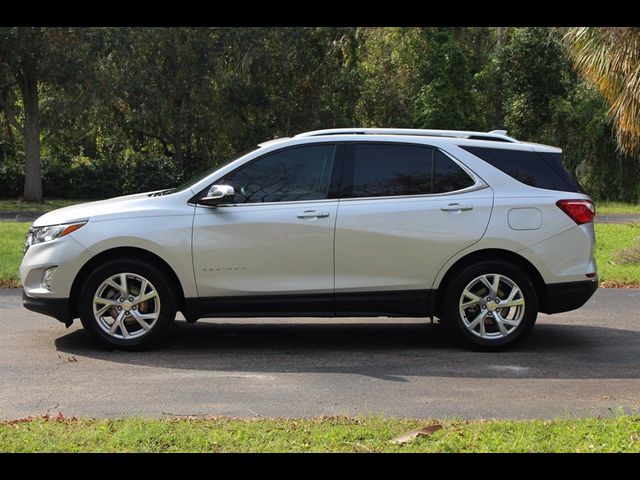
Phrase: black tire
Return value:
(158, 279)
(453, 317)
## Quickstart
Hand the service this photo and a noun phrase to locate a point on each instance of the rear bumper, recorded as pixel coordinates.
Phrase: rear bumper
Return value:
(562, 297)
(57, 308)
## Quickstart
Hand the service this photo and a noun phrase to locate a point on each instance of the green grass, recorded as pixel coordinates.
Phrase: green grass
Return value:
(611, 241)
(608, 208)
(12, 235)
(47, 205)
(327, 434)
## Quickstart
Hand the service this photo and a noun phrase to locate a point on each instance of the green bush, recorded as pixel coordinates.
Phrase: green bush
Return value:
(11, 179)
(90, 178)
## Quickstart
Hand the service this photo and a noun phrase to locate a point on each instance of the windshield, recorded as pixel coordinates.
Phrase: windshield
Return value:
(196, 178)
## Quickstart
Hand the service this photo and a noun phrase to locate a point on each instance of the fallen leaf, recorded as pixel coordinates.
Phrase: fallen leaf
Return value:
(425, 431)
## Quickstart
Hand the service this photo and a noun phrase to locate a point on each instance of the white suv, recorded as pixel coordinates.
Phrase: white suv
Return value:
(478, 229)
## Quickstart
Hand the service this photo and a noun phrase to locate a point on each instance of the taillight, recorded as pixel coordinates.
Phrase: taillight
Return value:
(580, 211)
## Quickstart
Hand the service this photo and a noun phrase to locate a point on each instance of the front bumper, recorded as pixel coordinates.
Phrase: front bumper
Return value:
(57, 308)
(563, 297)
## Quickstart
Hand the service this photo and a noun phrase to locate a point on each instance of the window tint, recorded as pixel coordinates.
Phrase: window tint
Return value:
(300, 173)
(380, 170)
(448, 176)
(542, 170)
(384, 170)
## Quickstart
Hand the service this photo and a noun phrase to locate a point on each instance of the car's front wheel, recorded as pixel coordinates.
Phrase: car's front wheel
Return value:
(491, 305)
(127, 304)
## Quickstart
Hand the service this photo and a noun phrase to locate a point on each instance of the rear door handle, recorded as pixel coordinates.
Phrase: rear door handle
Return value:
(456, 207)
(313, 214)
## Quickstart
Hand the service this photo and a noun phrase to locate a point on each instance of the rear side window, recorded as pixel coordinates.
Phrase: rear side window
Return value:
(448, 176)
(541, 170)
(382, 170)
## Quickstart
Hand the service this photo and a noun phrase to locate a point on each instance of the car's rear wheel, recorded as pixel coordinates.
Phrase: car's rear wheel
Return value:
(127, 304)
(491, 305)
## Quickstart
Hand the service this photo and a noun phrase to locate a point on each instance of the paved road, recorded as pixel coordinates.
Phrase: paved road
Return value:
(574, 364)
(618, 218)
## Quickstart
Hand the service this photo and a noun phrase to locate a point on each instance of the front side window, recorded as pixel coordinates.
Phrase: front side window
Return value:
(380, 170)
(288, 175)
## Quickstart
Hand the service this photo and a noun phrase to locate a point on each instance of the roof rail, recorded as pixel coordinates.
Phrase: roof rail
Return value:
(495, 135)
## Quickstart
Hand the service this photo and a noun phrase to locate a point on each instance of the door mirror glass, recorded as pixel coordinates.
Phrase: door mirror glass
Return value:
(218, 194)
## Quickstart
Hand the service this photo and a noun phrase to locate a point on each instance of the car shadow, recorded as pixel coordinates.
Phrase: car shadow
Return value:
(390, 351)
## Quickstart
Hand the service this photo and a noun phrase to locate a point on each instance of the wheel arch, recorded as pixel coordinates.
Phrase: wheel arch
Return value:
(494, 254)
(120, 253)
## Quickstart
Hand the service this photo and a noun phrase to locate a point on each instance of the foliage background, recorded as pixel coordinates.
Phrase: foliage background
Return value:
(137, 109)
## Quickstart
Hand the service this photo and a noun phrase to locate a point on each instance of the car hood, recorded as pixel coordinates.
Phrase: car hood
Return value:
(137, 205)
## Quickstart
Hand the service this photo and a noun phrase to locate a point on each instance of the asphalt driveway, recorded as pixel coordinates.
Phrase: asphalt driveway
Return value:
(580, 363)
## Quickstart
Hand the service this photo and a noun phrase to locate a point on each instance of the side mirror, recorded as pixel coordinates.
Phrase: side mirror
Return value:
(218, 194)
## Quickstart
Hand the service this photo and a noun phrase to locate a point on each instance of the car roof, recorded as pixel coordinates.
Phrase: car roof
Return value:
(493, 139)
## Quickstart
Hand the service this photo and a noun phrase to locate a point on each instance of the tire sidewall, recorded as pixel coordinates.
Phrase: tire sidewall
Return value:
(146, 270)
(462, 279)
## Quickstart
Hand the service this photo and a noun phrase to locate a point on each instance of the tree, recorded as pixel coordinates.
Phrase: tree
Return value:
(416, 77)
(533, 72)
(610, 59)
(29, 56)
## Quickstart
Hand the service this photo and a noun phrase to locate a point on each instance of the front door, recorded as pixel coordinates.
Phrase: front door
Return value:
(274, 243)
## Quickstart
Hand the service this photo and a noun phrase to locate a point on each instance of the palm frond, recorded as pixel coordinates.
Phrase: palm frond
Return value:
(609, 57)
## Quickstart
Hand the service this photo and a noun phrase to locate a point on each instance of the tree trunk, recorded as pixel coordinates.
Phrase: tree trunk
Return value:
(28, 81)
(179, 154)
(502, 35)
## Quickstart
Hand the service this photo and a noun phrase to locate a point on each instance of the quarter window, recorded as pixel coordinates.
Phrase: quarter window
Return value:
(536, 169)
(293, 174)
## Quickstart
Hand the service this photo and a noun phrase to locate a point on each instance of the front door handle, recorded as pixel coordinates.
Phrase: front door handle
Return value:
(456, 207)
(313, 214)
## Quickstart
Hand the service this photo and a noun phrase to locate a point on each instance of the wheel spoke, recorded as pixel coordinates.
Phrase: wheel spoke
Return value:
(514, 291)
(123, 281)
(143, 287)
(141, 321)
(479, 318)
(495, 285)
(486, 283)
(514, 303)
(469, 304)
(511, 323)
(144, 298)
(116, 323)
(113, 284)
(103, 309)
(467, 293)
(500, 322)
(106, 301)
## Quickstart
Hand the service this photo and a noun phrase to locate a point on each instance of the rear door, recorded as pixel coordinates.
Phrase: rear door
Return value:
(405, 209)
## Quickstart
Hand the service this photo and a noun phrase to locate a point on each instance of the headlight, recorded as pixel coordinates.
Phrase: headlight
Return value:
(37, 235)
